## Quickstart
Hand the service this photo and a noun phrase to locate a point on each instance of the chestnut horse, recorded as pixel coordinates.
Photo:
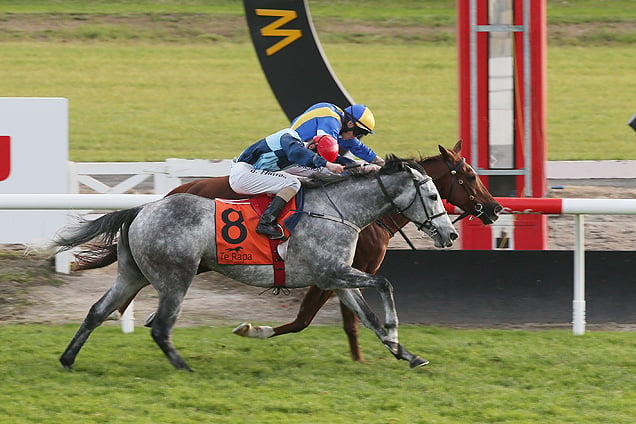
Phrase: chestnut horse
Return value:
(456, 181)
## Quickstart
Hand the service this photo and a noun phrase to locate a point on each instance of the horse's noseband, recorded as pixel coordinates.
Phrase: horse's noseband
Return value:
(428, 223)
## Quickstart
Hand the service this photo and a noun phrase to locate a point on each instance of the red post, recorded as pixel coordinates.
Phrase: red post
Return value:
(5, 157)
(528, 232)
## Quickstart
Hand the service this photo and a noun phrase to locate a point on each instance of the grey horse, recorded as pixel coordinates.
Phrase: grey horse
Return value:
(167, 242)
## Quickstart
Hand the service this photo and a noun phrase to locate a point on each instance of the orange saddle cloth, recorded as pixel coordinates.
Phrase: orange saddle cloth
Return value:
(237, 242)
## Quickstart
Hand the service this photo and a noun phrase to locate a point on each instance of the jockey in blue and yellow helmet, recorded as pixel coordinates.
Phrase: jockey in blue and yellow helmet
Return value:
(363, 119)
(347, 126)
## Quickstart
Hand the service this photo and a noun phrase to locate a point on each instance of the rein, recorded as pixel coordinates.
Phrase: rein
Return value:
(478, 209)
(428, 224)
(332, 218)
(340, 219)
(391, 233)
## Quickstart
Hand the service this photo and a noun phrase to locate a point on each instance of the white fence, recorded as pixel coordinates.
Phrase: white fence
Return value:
(165, 175)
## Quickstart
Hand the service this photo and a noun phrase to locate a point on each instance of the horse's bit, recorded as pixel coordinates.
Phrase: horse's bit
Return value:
(478, 208)
(428, 224)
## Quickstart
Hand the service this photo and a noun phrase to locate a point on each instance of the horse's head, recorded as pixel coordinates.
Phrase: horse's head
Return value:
(418, 201)
(458, 183)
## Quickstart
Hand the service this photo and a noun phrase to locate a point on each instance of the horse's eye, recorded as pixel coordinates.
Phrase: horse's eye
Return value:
(432, 196)
(471, 177)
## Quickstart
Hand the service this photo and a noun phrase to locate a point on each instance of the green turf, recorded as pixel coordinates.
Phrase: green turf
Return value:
(146, 102)
(475, 376)
(425, 11)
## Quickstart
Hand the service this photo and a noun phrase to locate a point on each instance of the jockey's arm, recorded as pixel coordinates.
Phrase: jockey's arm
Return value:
(305, 171)
(343, 160)
(297, 153)
(360, 150)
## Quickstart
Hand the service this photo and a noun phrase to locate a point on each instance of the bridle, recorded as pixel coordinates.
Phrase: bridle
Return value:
(478, 208)
(428, 224)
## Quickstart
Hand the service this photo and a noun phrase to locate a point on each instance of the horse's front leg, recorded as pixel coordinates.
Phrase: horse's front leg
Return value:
(354, 279)
(350, 278)
(353, 299)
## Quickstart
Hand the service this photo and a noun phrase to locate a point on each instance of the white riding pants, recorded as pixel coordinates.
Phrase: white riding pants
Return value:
(245, 179)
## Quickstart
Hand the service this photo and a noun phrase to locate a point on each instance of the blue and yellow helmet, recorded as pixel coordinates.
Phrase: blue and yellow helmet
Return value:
(361, 116)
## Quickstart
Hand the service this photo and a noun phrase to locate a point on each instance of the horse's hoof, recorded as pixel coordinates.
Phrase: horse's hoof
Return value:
(418, 362)
(243, 329)
(257, 332)
(358, 358)
(68, 366)
(180, 365)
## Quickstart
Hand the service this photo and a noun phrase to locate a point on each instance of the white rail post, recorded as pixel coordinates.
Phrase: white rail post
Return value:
(128, 319)
(578, 304)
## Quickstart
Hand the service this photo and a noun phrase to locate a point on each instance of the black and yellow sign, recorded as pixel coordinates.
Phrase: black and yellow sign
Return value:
(291, 56)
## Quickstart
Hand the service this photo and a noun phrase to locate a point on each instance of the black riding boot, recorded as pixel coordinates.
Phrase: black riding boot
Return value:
(267, 224)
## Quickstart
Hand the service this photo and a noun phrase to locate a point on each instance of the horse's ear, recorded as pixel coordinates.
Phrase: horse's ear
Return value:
(458, 147)
(444, 151)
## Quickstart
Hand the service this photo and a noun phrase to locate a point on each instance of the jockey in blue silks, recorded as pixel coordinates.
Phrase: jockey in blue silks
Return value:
(259, 169)
(347, 126)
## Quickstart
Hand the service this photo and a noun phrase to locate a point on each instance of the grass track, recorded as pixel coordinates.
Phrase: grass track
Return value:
(475, 376)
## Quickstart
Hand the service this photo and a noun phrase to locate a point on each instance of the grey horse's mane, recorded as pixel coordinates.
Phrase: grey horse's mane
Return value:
(392, 165)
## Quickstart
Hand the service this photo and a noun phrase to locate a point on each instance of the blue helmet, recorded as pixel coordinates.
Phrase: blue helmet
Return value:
(362, 117)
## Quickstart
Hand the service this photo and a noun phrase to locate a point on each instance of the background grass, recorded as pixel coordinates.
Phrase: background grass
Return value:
(475, 376)
(149, 80)
(428, 11)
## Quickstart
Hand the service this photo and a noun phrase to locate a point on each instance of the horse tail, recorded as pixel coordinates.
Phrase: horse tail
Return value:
(104, 251)
(97, 256)
(106, 226)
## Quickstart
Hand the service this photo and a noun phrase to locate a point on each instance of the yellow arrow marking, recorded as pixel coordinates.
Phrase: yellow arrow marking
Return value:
(272, 30)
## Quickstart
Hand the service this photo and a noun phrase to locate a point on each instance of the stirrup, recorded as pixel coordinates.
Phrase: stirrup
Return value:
(274, 227)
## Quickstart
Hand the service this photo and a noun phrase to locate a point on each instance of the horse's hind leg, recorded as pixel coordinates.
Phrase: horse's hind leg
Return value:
(124, 287)
(171, 279)
(163, 322)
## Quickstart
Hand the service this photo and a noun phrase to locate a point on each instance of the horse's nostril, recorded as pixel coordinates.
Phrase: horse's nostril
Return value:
(498, 209)
(454, 236)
